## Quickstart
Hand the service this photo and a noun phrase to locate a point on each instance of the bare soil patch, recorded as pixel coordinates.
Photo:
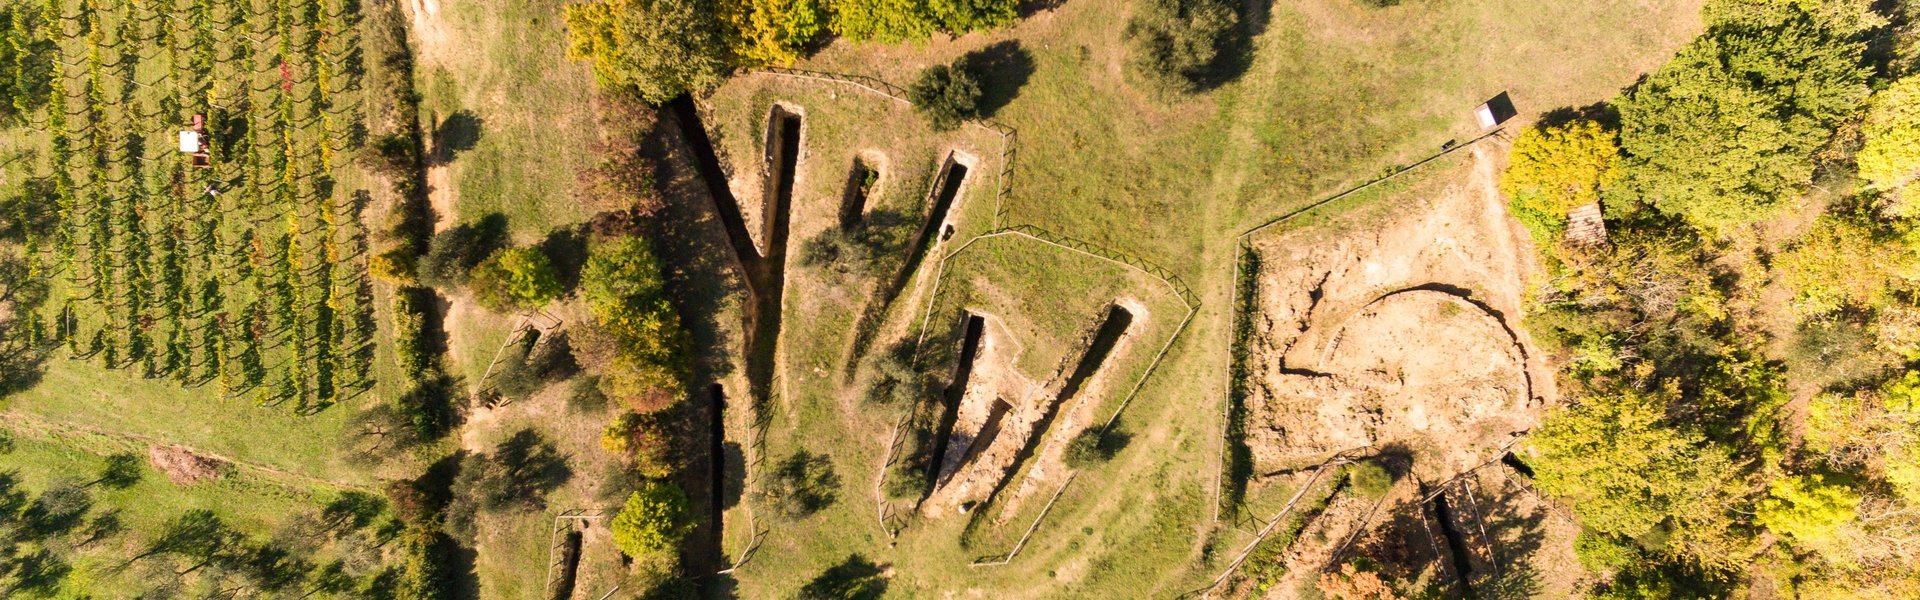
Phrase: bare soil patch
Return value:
(1394, 326)
(973, 463)
(183, 466)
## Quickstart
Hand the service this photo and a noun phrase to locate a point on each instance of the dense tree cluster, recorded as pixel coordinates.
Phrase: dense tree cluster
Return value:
(1678, 450)
(650, 361)
(1725, 133)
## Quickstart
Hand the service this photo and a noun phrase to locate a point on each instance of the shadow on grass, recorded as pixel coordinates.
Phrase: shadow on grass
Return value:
(457, 133)
(1003, 68)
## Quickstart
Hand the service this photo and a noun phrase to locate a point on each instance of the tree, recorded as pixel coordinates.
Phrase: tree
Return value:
(121, 470)
(656, 49)
(653, 520)
(1807, 510)
(772, 32)
(515, 279)
(1848, 261)
(650, 361)
(1724, 133)
(452, 254)
(854, 579)
(802, 484)
(1890, 159)
(945, 95)
(1554, 169)
(655, 441)
(1177, 45)
(1623, 470)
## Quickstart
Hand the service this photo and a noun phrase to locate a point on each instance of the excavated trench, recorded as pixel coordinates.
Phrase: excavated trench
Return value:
(570, 567)
(764, 273)
(861, 180)
(950, 403)
(1112, 327)
(1457, 553)
(946, 189)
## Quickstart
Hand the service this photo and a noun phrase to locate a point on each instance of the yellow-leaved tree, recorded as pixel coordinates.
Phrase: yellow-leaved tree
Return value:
(1555, 169)
(1890, 159)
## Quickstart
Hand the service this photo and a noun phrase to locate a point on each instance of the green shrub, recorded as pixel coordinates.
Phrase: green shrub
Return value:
(1175, 45)
(1553, 170)
(515, 279)
(897, 20)
(1847, 261)
(1370, 480)
(1094, 446)
(652, 521)
(1890, 158)
(772, 32)
(1808, 510)
(1601, 553)
(801, 485)
(945, 95)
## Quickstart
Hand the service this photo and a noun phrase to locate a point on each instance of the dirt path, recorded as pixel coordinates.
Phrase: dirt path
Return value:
(33, 424)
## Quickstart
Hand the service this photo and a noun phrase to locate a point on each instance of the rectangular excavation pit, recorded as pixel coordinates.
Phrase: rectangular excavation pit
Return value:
(960, 455)
(950, 402)
(1113, 326)
(862, 180)
(783, 158)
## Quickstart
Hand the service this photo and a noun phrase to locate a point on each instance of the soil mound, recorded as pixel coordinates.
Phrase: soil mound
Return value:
(183, 466)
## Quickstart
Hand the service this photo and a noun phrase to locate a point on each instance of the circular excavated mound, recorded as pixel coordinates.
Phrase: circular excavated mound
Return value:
(1409, 365)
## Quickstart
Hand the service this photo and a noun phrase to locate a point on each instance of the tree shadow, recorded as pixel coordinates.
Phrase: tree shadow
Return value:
(734, 473)
(1029, 8)
(457, 133)
(533, 465)
(566, 248)
(1607, 115)
(1002, 68)
(1236, 48)
(855, 579)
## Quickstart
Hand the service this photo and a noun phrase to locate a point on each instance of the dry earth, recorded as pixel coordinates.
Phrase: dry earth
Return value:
(1397, 330)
